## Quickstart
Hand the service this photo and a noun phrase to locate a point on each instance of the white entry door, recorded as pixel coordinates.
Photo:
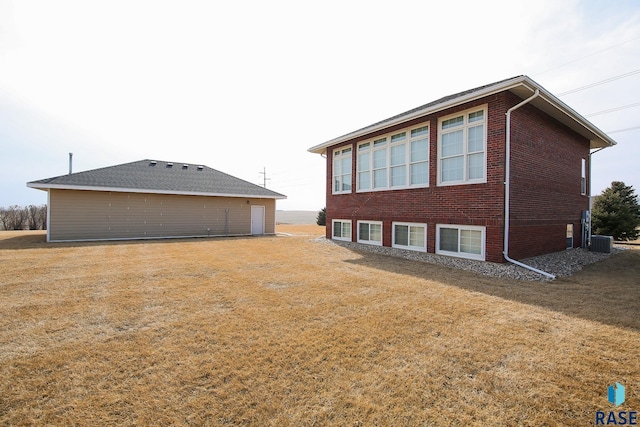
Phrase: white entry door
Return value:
(257, 220)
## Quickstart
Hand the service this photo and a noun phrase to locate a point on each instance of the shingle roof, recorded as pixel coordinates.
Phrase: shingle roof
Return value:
(442, 100)
(155, 176)
(522, 86)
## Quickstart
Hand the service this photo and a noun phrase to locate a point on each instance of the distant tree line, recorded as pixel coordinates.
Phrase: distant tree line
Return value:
(30, 217)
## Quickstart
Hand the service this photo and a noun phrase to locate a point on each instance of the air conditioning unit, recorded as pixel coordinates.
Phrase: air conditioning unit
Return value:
(601, 244)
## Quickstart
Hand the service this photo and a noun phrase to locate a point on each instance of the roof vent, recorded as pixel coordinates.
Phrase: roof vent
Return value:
(169, 165)
(185, 166)
(153, 163)
(200, 167)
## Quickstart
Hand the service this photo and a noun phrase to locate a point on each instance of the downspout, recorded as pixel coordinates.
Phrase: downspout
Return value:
(507, 181)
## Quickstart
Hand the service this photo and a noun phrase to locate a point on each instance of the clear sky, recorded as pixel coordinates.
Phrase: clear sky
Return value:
(242, 86)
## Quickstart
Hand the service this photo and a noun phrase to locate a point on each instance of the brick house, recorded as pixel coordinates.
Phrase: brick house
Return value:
(438, 179)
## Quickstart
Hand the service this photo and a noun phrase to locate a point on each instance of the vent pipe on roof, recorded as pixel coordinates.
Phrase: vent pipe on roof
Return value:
(70, 162)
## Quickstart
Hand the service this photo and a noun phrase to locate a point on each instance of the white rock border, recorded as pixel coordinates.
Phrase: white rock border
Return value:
(561, 264)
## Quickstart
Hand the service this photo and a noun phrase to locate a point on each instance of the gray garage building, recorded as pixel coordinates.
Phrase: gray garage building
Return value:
(151, 199)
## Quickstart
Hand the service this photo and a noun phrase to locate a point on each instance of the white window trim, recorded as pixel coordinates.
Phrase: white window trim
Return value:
(370, 242)
(409, 247)
(483, 243)
(333, 227)
(465, 153)
(583, 177)
(333, 169)
(407, 141)
(428, 160)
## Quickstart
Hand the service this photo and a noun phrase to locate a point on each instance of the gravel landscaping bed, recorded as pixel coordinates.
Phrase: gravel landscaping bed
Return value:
(561, 264)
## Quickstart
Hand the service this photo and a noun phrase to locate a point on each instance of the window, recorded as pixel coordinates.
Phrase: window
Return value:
(398, 166)
(397, 160)
(465, 241)
(364, 166)
(342, 170)
(370, 232)
(569, 236)
(409, 236)
(462, 148)
(380, 163)
(419, 162)
(341, 229)
(583, 180)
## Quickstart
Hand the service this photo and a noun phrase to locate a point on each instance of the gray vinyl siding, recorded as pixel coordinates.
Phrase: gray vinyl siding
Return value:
(102, 215)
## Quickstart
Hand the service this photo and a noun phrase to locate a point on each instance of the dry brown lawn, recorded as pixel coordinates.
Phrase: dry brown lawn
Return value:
(286, 331)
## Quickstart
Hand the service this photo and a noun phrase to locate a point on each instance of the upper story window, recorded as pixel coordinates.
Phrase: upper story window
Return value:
(342, 170)
(583, 179)
(393, 161)
(462, 148)
(419, 160)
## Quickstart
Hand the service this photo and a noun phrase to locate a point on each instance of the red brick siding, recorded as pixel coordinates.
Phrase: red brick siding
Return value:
(482, 204)
(474, 204)
(546, 165)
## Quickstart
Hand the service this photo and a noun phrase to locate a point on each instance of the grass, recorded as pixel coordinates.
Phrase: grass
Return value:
(286, 331)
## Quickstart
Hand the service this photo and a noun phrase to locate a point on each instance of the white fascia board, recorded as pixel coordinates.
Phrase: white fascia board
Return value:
(321, 148)
(146, 191)
(597, 137)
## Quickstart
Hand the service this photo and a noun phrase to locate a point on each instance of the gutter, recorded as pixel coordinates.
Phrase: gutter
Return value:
(585, 128)
(423, 111)
(507, 198)
(47, 187)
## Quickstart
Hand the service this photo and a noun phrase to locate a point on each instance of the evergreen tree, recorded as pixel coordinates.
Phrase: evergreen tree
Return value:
(322, 217)
(616, 212)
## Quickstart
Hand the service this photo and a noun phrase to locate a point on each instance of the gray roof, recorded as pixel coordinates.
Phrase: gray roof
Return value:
(522, 86)
(160, 177)
(442, 100)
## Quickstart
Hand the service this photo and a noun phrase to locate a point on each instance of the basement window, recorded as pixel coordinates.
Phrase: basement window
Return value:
(463, 241)
(409, 236)
(370, 232)
(341, 229)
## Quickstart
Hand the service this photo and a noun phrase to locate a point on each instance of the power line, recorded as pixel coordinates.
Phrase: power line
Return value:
(611, 110)
(631, 73)
(624, 130)
(587, 56)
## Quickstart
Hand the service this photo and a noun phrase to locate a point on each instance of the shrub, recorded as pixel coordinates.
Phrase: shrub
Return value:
(322, 217)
